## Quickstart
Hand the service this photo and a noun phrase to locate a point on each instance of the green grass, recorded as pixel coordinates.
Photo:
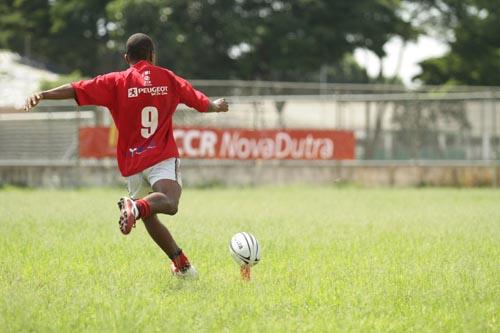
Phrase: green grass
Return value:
(333, 259)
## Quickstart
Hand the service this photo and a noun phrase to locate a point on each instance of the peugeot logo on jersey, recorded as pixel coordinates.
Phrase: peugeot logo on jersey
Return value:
(153, 91)
(132, 92)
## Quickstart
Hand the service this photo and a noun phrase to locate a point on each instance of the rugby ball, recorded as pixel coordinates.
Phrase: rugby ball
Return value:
(244, 249)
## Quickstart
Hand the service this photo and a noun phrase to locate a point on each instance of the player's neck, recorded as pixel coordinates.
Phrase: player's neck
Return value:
(133, 63)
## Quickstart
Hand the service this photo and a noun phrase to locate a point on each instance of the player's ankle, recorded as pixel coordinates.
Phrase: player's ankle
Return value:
(143, 209)
(180, 260)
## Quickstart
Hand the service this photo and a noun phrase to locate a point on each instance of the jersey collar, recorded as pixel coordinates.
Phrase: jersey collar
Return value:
(141, 64)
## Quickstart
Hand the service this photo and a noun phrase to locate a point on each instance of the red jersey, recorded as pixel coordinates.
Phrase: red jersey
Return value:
(142, 101)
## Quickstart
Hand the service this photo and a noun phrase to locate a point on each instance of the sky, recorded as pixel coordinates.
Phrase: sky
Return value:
(413, 53)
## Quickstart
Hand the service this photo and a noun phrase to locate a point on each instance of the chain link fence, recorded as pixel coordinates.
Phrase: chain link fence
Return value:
(390, 123)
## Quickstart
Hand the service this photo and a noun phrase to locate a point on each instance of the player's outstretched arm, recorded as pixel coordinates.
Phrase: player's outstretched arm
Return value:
(65, 91)
(219, 105)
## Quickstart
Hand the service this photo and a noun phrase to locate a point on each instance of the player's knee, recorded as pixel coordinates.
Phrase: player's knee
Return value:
(172, 210)
(173, 207)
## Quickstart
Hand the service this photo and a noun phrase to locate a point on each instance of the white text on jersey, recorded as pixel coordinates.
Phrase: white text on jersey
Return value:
(153, 91)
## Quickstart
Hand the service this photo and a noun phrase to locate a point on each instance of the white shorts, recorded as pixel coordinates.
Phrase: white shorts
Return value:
(140, 184)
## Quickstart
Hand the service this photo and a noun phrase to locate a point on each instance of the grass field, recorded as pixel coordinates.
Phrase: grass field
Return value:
(334, 259)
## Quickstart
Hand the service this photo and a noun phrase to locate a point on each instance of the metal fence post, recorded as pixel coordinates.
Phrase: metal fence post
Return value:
(494, 158)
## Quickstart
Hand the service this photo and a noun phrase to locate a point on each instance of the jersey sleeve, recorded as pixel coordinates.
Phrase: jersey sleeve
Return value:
(191, 97)
(97, 91)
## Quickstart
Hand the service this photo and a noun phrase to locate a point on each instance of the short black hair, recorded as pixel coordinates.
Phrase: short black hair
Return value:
(139, 47)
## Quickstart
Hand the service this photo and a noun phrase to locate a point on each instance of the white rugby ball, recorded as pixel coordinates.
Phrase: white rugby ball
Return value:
(244, 249)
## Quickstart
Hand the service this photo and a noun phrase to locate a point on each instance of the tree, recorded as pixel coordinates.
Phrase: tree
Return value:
(192, 37)
(214, 39)
(474, 56)
(23, 26)
(287, 40)
(260, 39)
(78, 36)
(64, 35)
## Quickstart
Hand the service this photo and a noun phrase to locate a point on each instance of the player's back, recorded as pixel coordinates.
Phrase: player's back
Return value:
(142, 100)
(147, 98)
(144, 85)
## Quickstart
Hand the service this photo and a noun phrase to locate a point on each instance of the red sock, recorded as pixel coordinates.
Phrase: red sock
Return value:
(181, 261)
(143, 207)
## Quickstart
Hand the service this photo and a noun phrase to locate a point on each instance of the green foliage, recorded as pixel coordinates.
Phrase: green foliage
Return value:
(277, 40)
(23, 25)
(67, 35)
(377, 260)
(258, 39)
(269, 40)
(79, 28)
(347, 70)
(474, 57)
(63, 79)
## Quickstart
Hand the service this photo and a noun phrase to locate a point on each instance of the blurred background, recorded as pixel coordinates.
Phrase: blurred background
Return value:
(372, 92)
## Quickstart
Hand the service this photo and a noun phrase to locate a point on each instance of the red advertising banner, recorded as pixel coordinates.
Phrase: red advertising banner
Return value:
(242, 144)
(97, 142)
(239, 144)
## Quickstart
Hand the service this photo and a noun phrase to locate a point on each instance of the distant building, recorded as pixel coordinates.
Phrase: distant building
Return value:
(18, 80)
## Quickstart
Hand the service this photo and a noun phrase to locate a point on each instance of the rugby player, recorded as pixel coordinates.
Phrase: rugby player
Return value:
(142, 101)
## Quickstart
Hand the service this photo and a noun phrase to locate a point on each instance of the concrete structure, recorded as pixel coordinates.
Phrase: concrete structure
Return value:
(457, 144)
(249, 173)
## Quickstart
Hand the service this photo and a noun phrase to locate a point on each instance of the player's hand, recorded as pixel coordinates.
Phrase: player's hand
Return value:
(32, 101)
(219, 105)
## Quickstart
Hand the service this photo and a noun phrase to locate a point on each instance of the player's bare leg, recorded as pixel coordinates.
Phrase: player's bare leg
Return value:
(161, 235)
(165, 200)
